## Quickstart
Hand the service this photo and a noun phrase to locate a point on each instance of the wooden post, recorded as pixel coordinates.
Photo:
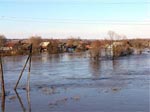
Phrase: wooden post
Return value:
(28, 79)
(113, 50)
(22, 72)
(2, 86)
(28, 59)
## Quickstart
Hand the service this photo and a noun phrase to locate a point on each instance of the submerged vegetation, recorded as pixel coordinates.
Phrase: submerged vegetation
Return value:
(115, 46)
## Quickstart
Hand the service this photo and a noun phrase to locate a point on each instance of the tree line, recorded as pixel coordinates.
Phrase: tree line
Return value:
(115, 45)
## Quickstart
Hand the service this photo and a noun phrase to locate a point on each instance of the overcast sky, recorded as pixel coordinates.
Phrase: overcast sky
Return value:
(78, 18)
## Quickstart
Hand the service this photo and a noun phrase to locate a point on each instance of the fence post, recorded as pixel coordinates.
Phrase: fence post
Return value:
(28, 79)
(2, 85)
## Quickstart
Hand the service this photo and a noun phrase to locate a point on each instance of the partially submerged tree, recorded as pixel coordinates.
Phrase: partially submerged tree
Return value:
(53, 47)
(111, 41)
(2, 40)
(95, 51)
(118, 45)
(35, 40)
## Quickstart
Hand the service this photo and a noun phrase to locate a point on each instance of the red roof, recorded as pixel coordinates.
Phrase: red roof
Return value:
(10, 44)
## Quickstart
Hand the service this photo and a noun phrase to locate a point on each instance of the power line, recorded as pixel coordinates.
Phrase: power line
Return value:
(71, 21)
(64, 19)
(96, 1)
(122, 3)
(105, 23)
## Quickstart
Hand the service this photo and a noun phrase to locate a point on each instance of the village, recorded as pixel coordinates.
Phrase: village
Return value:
(96, 48)
(74, 55)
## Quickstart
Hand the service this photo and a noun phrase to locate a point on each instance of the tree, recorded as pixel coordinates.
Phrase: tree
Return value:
(112, 38)
(35, 40)
(53, 47)
(111, 35)
(95, 50)
(2, 40)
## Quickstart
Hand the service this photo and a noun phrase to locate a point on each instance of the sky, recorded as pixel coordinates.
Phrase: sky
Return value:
(87, 19)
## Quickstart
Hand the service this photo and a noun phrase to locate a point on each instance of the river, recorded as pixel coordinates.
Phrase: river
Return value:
(75, 83)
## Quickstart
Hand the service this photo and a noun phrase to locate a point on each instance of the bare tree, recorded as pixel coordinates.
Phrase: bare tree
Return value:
(95, 51)
(35, 40)
(53, 47)
(112, 39)
(111, 35)
(2, 40)
(115, 46)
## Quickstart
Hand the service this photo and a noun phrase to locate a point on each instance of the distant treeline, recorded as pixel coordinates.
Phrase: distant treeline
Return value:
(115, 45)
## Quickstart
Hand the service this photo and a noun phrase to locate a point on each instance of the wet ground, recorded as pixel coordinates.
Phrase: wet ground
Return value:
(75, 83)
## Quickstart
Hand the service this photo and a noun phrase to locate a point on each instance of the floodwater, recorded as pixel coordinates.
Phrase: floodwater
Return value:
(75, 83)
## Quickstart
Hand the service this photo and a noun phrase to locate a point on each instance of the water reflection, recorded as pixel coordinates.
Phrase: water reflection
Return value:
(55, 58)
(3, 104)
(76, 76)
(115, 64)
(21, 102)
(14, 58)
(29, 101)
(71, 56)
(95, 67)
(45, 58)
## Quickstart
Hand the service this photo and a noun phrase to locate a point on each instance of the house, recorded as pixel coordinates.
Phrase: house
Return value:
(114, 44)
(62, 47)
(118, 49)
(10, 47)
(88, 47)
(149, 44)
(5, 48)
(43, 46)
(109, 48)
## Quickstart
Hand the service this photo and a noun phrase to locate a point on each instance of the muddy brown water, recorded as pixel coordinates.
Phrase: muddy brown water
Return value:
(75, 83)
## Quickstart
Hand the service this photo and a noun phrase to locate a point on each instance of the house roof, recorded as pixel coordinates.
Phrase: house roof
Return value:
(11, 44)
(44, 44)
